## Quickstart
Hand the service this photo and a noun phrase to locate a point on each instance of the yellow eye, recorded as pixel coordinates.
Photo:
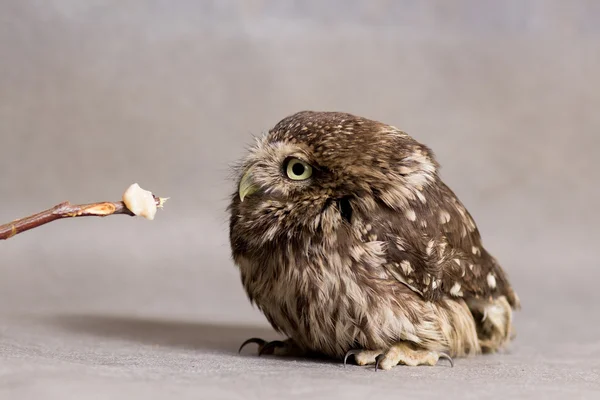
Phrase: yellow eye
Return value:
(298, 170)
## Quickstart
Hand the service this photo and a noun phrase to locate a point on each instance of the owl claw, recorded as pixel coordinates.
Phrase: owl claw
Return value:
(350, 353)
(264, 347)
(447, 357)
(260, 342)
(377, 359)
(271, 346)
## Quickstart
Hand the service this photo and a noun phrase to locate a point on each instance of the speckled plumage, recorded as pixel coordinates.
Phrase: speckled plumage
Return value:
(372, 251)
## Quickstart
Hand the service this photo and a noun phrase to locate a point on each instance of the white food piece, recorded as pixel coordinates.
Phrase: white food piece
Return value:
(140, 201)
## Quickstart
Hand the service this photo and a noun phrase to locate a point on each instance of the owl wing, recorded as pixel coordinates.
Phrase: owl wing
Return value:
(435, 249)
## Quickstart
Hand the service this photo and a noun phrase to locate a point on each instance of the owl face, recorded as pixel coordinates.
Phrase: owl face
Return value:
(313, 170)
(281, 171)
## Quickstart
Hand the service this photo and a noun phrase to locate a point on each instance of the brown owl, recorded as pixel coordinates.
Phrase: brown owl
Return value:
(349, 243)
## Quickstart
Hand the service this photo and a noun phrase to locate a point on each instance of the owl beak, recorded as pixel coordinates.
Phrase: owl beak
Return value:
(247, 186)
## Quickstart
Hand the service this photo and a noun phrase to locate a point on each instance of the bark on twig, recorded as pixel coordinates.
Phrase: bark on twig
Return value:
(67, 210)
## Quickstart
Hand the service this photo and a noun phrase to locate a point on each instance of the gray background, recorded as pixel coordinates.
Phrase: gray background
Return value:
(98, 94)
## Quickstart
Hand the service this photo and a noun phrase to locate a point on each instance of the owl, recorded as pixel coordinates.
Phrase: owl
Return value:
(351, 245)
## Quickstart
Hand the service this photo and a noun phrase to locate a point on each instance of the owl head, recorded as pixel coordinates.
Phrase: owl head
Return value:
(314, 171)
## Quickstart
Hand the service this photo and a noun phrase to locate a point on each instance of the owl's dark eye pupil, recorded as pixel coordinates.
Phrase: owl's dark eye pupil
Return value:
(298, 169)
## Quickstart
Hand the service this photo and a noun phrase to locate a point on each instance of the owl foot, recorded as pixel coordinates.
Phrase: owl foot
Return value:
(402, 353)
(276, 347)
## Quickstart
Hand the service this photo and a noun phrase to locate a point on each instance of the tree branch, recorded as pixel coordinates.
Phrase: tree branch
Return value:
(67, 210)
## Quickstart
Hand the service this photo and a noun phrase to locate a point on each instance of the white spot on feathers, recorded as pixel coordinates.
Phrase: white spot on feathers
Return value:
(476, 250)
(443, 246)
(455, 290)
(444, 217)
(427, 279)
(429, 249)
(400, 244)
(405, 170)
(491, 280)
(406, 267)
(410, 214)
(470, 224)
(408, 282)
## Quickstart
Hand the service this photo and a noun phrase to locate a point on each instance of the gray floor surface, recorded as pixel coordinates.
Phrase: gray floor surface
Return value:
(99, 94)
(124, 357)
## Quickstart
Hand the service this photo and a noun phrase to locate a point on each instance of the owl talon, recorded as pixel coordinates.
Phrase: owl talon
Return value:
(353, 352)
(270, 347)
(261, 343)
(377, 360)
(447, 357)
(361, 356)
(275, 347)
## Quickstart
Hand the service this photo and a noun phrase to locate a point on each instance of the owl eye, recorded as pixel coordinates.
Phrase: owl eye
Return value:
(298, 170)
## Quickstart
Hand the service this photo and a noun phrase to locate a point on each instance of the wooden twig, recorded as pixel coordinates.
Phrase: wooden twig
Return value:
(67, 210)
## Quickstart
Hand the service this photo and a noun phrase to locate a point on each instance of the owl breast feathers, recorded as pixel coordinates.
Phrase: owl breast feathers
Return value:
(348, 240)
